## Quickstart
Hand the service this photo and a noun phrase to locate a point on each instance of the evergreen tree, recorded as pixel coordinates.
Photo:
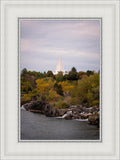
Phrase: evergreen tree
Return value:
(50, 74)
(73, 74)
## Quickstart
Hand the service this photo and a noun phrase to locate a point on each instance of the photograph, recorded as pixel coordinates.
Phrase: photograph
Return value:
(59, 79)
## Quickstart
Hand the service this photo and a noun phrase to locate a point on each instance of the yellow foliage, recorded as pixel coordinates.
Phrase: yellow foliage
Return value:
(66, 86)
(52, 95)
(27, 97)
(43, 86)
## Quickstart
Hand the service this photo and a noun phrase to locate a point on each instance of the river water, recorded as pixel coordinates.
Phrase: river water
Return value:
(35, 126)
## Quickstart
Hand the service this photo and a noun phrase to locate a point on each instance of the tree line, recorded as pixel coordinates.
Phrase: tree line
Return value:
(61, 90)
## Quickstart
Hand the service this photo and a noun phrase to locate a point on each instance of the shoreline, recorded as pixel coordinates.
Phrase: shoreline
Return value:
(79, 113)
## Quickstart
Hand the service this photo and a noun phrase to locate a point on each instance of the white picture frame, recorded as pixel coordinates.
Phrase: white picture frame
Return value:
(11, 148)
(100, 70)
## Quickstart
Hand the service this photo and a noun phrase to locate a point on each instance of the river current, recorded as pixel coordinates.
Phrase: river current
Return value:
(35, 126)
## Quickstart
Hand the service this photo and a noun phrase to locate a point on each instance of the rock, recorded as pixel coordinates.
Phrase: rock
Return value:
(68, 116)
(94, 119)
(56, 113)
(34, 105)
(73, 112)
(44, 108)
(35, 111)
(89, 114)
(76, 117)
(40, 107)
(48, 110)
(61, 112)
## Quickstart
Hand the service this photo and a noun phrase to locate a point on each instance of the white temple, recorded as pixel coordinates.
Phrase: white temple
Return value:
(60, 68)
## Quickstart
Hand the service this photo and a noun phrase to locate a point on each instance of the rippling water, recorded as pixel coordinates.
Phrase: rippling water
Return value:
(35, 126)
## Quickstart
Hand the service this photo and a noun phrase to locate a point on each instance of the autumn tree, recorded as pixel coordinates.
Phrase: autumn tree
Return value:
(87, 90)
(66, 86)
(81, 74)
(45, 89)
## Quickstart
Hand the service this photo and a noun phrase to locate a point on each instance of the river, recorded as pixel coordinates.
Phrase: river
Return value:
(35, 126)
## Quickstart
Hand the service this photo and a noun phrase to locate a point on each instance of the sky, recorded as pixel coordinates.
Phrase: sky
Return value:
(43, 41)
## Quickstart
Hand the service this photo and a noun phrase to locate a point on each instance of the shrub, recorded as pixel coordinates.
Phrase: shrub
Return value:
(62, 105)
(74, 101)
(96, 102)
(87, 90)
(25, 99)
(58, 89)
(59, 77)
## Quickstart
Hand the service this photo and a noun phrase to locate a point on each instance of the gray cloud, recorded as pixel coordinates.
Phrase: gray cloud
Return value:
(42, 41)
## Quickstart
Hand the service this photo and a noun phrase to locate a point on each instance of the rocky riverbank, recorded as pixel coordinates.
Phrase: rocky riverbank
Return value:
(73, 112)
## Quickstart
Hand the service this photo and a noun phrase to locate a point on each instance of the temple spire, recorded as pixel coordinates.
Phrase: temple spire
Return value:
(60, 67)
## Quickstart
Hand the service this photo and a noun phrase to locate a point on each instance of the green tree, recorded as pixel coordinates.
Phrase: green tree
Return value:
(58, 89)
(73, 74)
(89, 73)
(74, 70)
(45, 74)
(50, 74)
(23, 72)
(59, 77)
(87, 90)
(65, 77)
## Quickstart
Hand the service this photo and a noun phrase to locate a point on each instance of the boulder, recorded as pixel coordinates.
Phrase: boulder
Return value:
(44, 108)
(68, 116)
(34, 105)
(73, 112)
(61, 112)
(94, 119)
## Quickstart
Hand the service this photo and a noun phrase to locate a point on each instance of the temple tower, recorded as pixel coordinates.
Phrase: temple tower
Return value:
(60, 68)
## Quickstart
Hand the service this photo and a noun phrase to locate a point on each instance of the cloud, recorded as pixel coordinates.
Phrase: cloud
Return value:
(41, 42)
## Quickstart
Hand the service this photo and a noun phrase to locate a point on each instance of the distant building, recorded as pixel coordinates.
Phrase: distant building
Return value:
(60, 68)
